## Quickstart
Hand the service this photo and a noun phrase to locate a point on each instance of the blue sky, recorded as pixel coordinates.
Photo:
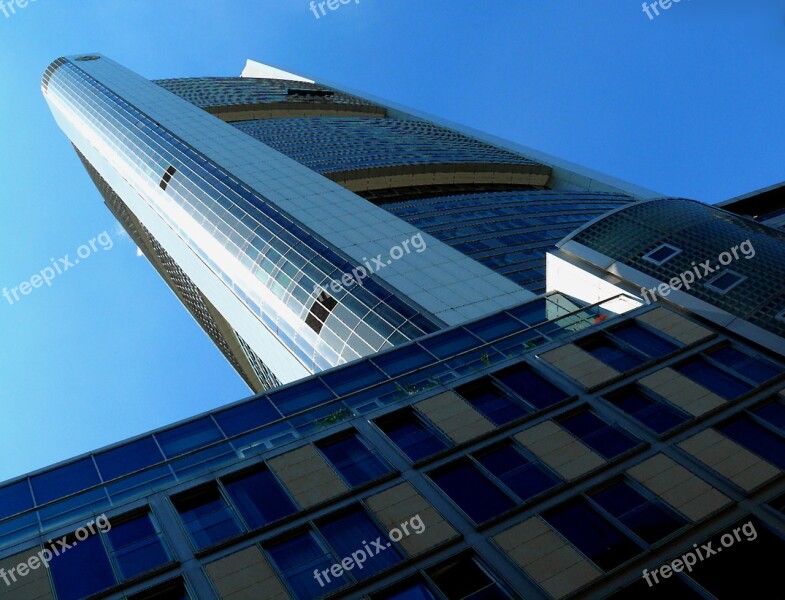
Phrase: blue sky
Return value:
(688, 104)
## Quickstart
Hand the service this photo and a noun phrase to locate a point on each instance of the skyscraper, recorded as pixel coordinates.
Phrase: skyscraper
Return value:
(621, 435)
(253, 197)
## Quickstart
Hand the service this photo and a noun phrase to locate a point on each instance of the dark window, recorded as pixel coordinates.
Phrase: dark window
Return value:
(758, 555)
(592, 533)
(259, 497)
(128, 458)
(409, 590)
(778, 504)
(535, 389)
(356, 463)
(353, 378)
(725, 281)
(647, 517)
(464, 578)
(83, 570)
(349, 532)
(404, 360)
(15, 498)
(167, 177)
(757, 438)
(470, 489)
(247, 416)
(608, 440)
(188, 437)
(492, 402)
(672, 587)
(321, 309)
(661, 254)
(495, 327)
(307, 92)
(713, 378)
(64, 480)
(171, 590)
(411, 435)
(656, 414)
(136, 546)
(521, 475)
(207, 517)
(643, 340)
(756, 368)
(298, 557)
(449, 344)
(773, 412)
(612, 354)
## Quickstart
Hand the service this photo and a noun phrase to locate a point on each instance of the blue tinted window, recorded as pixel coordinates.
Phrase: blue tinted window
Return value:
(449, 344)
(606, 439)
(613, 355)
(404, 360)
(15, 498)
(135, 484)
(356, 377)
(524, 477)
(592, 534)
(757, 438)
(655, 414)
(128, 458)
(410, 434)
(65, 480)
(643, 340)
(650, 519)
(189, 436)
(713, 378)
(530, 386)
(411, 590)
(297, 558)
(773, 412)
(494, 404)
(245, 417)
(207, 517)
(756, 368)
(259, 498)
(470, 489)
(495, 327)
(71, 568)
(302, 396)
(136, 546)
(349, 532)
(63, 511)
(356, 463)
(531, 313)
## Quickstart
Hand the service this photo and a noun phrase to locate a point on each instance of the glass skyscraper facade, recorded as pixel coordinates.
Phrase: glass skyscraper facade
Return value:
(504, 415)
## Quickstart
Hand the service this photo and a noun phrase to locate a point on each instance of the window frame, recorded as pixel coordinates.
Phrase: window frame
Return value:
(648, 256)
(709, 283)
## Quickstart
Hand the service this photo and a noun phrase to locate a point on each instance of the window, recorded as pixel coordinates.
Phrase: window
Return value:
(207, 517)
(65, 480)
(353, 378)
(128, 458)
(404, 360)
(83, 570)
(247, 416)
(753, 367)
(712, 377)
(724, 281)
(298, 557)
(472, 490)
(757, 438)
(493, 403)
(188, 437)
(171, 590)
(410, 590)
(320, 310)
(647, 517)
(607, 440)
(773, 413)
(411, 435)
(526, 478)
(356, 463)
(643, 340)
(449, 344)
(466, 578)
(167, 177)
(618, 357)
(136, 546)
(590, 532)
(15, 498)
(673, 587)
(348, 532)
(661, 254)
(300, 397)
(656, 414)
(532, 387)
(259, 497)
